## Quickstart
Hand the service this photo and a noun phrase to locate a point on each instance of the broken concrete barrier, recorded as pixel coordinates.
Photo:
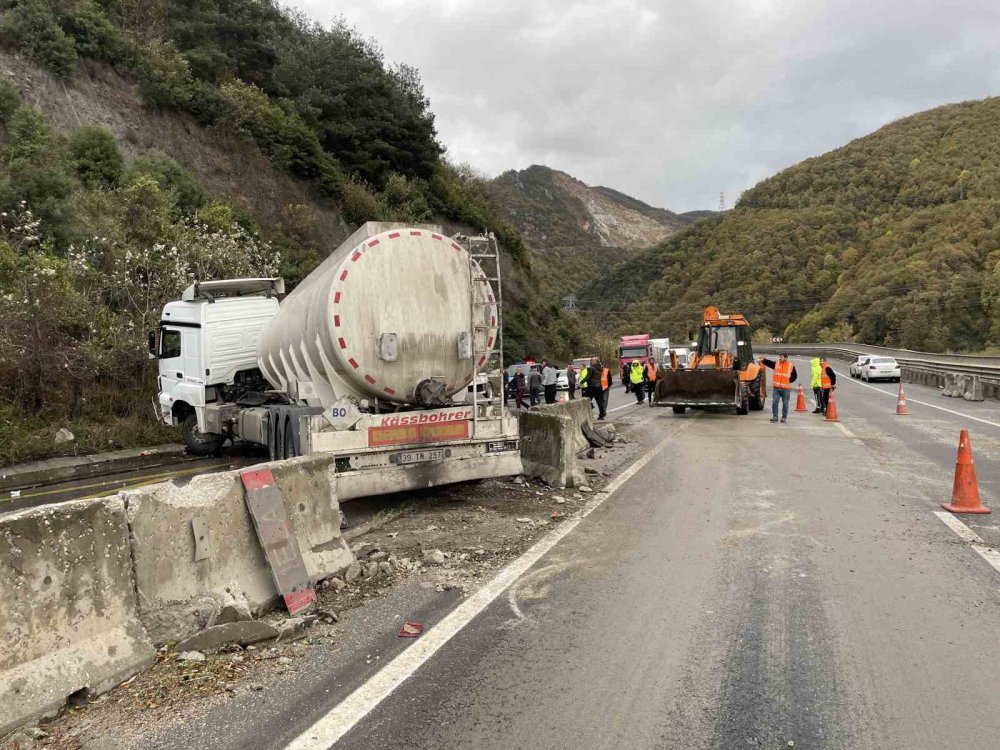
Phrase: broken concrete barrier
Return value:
(68, 619)
(973, 388)
(951, 387)
(549, 444)
(578, 411)
(195, 546)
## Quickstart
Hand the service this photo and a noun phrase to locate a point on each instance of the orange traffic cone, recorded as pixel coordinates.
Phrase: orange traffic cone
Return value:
(901, 409)
(965, 492)
(831, 409)
(800, 404)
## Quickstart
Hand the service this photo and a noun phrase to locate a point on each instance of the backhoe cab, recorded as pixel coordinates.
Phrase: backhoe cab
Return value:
(721, 374)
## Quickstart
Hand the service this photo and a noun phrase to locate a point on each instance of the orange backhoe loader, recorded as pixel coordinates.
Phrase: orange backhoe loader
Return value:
(722, 373)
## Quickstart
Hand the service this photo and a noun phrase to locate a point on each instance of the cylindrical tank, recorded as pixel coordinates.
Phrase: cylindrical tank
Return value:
(391, 314)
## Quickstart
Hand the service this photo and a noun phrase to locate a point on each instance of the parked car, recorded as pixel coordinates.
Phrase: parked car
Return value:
(855, 369)
(881, 368)
(562, 380)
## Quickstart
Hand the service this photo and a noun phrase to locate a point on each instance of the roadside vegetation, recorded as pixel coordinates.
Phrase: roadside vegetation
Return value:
(93, 242)
(893, 239)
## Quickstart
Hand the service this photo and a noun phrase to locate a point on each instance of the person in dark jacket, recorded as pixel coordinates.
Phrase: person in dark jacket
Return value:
(535, 386)
(519, 387)
(599, 386)
(571, 382)
(781, 384)
(828, 382)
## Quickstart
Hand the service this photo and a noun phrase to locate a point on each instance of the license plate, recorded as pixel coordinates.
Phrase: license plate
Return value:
(500, 446)
(416, 457)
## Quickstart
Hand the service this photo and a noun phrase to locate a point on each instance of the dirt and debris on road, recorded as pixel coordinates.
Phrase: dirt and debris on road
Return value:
(446, 538)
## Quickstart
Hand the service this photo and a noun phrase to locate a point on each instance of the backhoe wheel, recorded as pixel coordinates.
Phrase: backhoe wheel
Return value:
(679, 409)
(743, 405)
(758, 399)
(198, 442)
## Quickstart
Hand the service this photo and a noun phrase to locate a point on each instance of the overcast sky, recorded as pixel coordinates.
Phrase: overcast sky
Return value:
(673, 102)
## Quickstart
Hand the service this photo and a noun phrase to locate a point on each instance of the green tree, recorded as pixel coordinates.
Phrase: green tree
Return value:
(96, 157)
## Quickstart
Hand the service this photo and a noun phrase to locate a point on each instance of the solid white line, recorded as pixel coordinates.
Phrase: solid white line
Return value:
(924, 403)
(343, 717)
(977, 543)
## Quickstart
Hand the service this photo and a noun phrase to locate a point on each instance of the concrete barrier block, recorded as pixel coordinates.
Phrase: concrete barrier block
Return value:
(68, 620)
(951, 386)
(549, 448)
(973, 388)
(183, 581)
(577, 410)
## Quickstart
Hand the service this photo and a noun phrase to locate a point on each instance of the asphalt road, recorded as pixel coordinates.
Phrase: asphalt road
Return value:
(751, 585)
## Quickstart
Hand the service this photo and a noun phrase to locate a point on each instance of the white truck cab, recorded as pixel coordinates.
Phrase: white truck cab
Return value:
(207, 342)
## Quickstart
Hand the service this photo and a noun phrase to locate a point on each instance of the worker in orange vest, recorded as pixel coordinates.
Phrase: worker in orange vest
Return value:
(828, 383)
(781, 384)
(650, 380)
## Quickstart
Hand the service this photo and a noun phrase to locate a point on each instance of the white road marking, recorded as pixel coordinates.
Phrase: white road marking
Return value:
(977, 543)
(924, 403)
(843, 429)
(355, 707)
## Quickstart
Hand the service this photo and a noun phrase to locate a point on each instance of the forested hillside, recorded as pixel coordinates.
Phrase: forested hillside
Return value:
(144, 143)
(892, 239)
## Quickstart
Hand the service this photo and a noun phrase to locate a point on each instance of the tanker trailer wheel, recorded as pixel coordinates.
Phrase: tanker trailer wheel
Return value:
(679, 409)
(757, 398)
(288, 449)
(201, 443)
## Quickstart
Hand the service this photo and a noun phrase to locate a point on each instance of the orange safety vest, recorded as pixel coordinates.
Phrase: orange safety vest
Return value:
(824, 378)
(782, 375)
(651, 372)
(605, 373)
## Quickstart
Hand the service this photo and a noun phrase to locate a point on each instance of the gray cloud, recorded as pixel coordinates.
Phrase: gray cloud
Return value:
(673, 102)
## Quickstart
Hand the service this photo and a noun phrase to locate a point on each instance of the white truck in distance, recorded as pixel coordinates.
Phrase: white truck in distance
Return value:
(361, 360)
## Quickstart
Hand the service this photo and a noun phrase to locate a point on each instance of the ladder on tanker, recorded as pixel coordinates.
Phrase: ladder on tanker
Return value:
(484, 263)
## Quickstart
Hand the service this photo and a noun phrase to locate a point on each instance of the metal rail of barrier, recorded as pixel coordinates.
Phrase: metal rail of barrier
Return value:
(987, 367)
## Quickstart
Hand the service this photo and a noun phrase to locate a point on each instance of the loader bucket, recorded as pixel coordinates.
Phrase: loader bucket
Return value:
(697, 388)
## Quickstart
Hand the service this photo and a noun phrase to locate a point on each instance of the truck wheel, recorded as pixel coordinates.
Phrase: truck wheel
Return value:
(289, 447)
(199, 442)
(679, 409)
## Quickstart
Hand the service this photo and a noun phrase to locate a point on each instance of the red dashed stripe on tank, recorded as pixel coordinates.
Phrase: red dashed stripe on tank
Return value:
(356, 256)
(336, 320)
(436, 236)
(354, 362)
(336, 298)
(394, 236)
(373, 243)
(390, 391)
(343, 275)
(343, 344)
(370, 379)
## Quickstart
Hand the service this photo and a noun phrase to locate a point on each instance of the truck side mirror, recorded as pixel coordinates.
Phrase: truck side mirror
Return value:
(151, 344)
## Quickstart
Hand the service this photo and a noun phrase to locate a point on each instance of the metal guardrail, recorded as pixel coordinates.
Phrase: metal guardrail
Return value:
(986, 367)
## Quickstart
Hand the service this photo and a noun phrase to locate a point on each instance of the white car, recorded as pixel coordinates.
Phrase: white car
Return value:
(855, 369)
(881, 368)
(562, 380)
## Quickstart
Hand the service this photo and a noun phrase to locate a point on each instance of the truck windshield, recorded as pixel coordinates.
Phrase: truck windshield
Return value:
(634, 351)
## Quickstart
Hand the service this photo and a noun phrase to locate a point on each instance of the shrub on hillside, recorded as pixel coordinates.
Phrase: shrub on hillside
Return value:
(359, 203)
(10, 99)
(164, 77)
(95, 36)
(32, 24)
(188, 194)
(36, 170)
(96, 157)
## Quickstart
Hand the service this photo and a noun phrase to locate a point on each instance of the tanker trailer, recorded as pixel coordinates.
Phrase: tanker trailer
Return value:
(365, 359)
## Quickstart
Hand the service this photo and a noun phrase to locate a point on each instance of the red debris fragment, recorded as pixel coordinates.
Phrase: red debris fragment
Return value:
(411, 630)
